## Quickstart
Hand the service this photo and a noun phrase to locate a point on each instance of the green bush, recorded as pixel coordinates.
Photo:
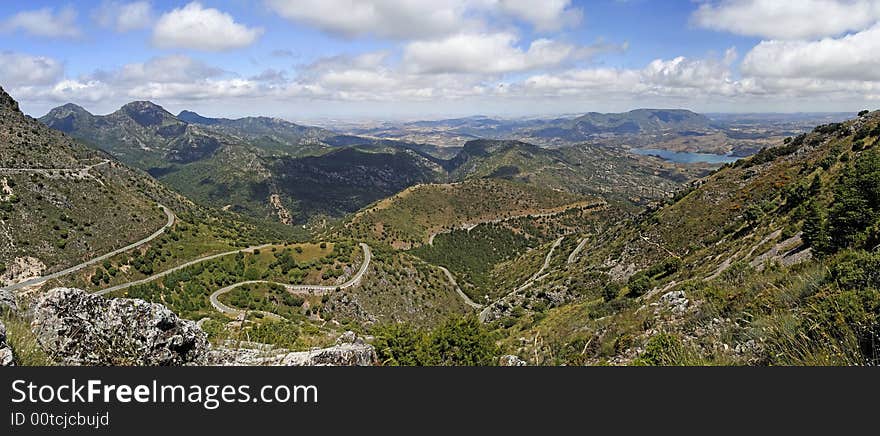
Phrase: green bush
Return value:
(855, 211)
(639, 284)
(662, 349)
(457, 342)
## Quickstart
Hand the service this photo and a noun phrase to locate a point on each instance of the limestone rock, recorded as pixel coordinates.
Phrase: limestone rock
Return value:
(676, 301)
(511, 360)
(78, 328)
(349, 350)
(346, 354)
(6, 356)
(7, 300)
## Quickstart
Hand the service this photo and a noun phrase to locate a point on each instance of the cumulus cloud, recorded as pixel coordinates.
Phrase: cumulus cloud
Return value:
(400, 19)
(420, 19)
(853, 57)
(196, 27)
(44, 23)
(18, 69)
(492, 53)
(166, 69)
(483, 53)
(801, 19)
(545, 15)
(677, 77)
(124, 17)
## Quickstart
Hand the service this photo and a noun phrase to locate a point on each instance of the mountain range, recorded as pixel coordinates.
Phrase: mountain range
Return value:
(273, 169)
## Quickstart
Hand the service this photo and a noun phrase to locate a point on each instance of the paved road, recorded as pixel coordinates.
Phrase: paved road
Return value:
(293, 289)
(470, 226)
(82, 170)
(178, 268)
(484, 314)
(39, 280)
(572, 258)
(467, 300)
(232, 311)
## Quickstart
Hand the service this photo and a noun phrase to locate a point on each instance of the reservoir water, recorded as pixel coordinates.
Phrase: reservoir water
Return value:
(686, 157)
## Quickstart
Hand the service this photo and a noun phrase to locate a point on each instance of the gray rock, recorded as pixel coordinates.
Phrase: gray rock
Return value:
(347, 338)
(337, 355)
(7, 300)
(676, 301)
(6, 356)
(511, 360)
(349, 350)
(77, 328)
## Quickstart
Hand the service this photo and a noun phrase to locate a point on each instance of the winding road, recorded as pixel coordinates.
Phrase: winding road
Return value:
(484, 314)
(572, 258)
(294, 289)
(538, 214)
(178, 268)
(467, 300)
(40, 280)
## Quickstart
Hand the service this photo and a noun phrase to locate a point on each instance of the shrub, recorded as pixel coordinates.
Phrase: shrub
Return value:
(856, 205)
(662, 349)
(639, 284)
(457, 342)
(857, 270)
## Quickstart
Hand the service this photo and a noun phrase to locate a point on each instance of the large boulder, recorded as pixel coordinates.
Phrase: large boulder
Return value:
(6, 356)
(78, 328)
(348, 351)
(353, 354)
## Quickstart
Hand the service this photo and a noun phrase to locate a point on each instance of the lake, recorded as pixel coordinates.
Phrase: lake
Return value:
(686, 157)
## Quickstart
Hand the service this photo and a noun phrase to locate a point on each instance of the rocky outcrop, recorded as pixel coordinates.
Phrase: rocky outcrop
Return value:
(7, 300)
(6, 356)
(511, 360)
(349, 350)
(77, 328)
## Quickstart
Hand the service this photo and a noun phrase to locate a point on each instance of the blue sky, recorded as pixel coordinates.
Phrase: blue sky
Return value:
(311, 59)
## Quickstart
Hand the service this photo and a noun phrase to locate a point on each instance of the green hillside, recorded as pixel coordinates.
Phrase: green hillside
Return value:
(767, 261)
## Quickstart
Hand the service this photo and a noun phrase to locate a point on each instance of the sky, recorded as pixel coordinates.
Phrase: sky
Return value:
(424, 59)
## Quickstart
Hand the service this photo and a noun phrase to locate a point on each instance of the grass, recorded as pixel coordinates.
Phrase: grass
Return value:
(23, 342)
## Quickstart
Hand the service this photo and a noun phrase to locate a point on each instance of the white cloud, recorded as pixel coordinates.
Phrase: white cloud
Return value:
(399, 19)
(545, 15)
(166, 69)
(420, 19)
(196, 27)
(124, 17)
(677, 77)
(853, 57)
(782, 19)
(199, 90)
(493, 53)
(44, 22)
(710, 75)
(18, 69)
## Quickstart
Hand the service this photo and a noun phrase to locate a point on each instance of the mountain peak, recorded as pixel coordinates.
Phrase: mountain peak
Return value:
(7, 103)
(67, 109)
(194, 118)
(146, 113)
(143, 105)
